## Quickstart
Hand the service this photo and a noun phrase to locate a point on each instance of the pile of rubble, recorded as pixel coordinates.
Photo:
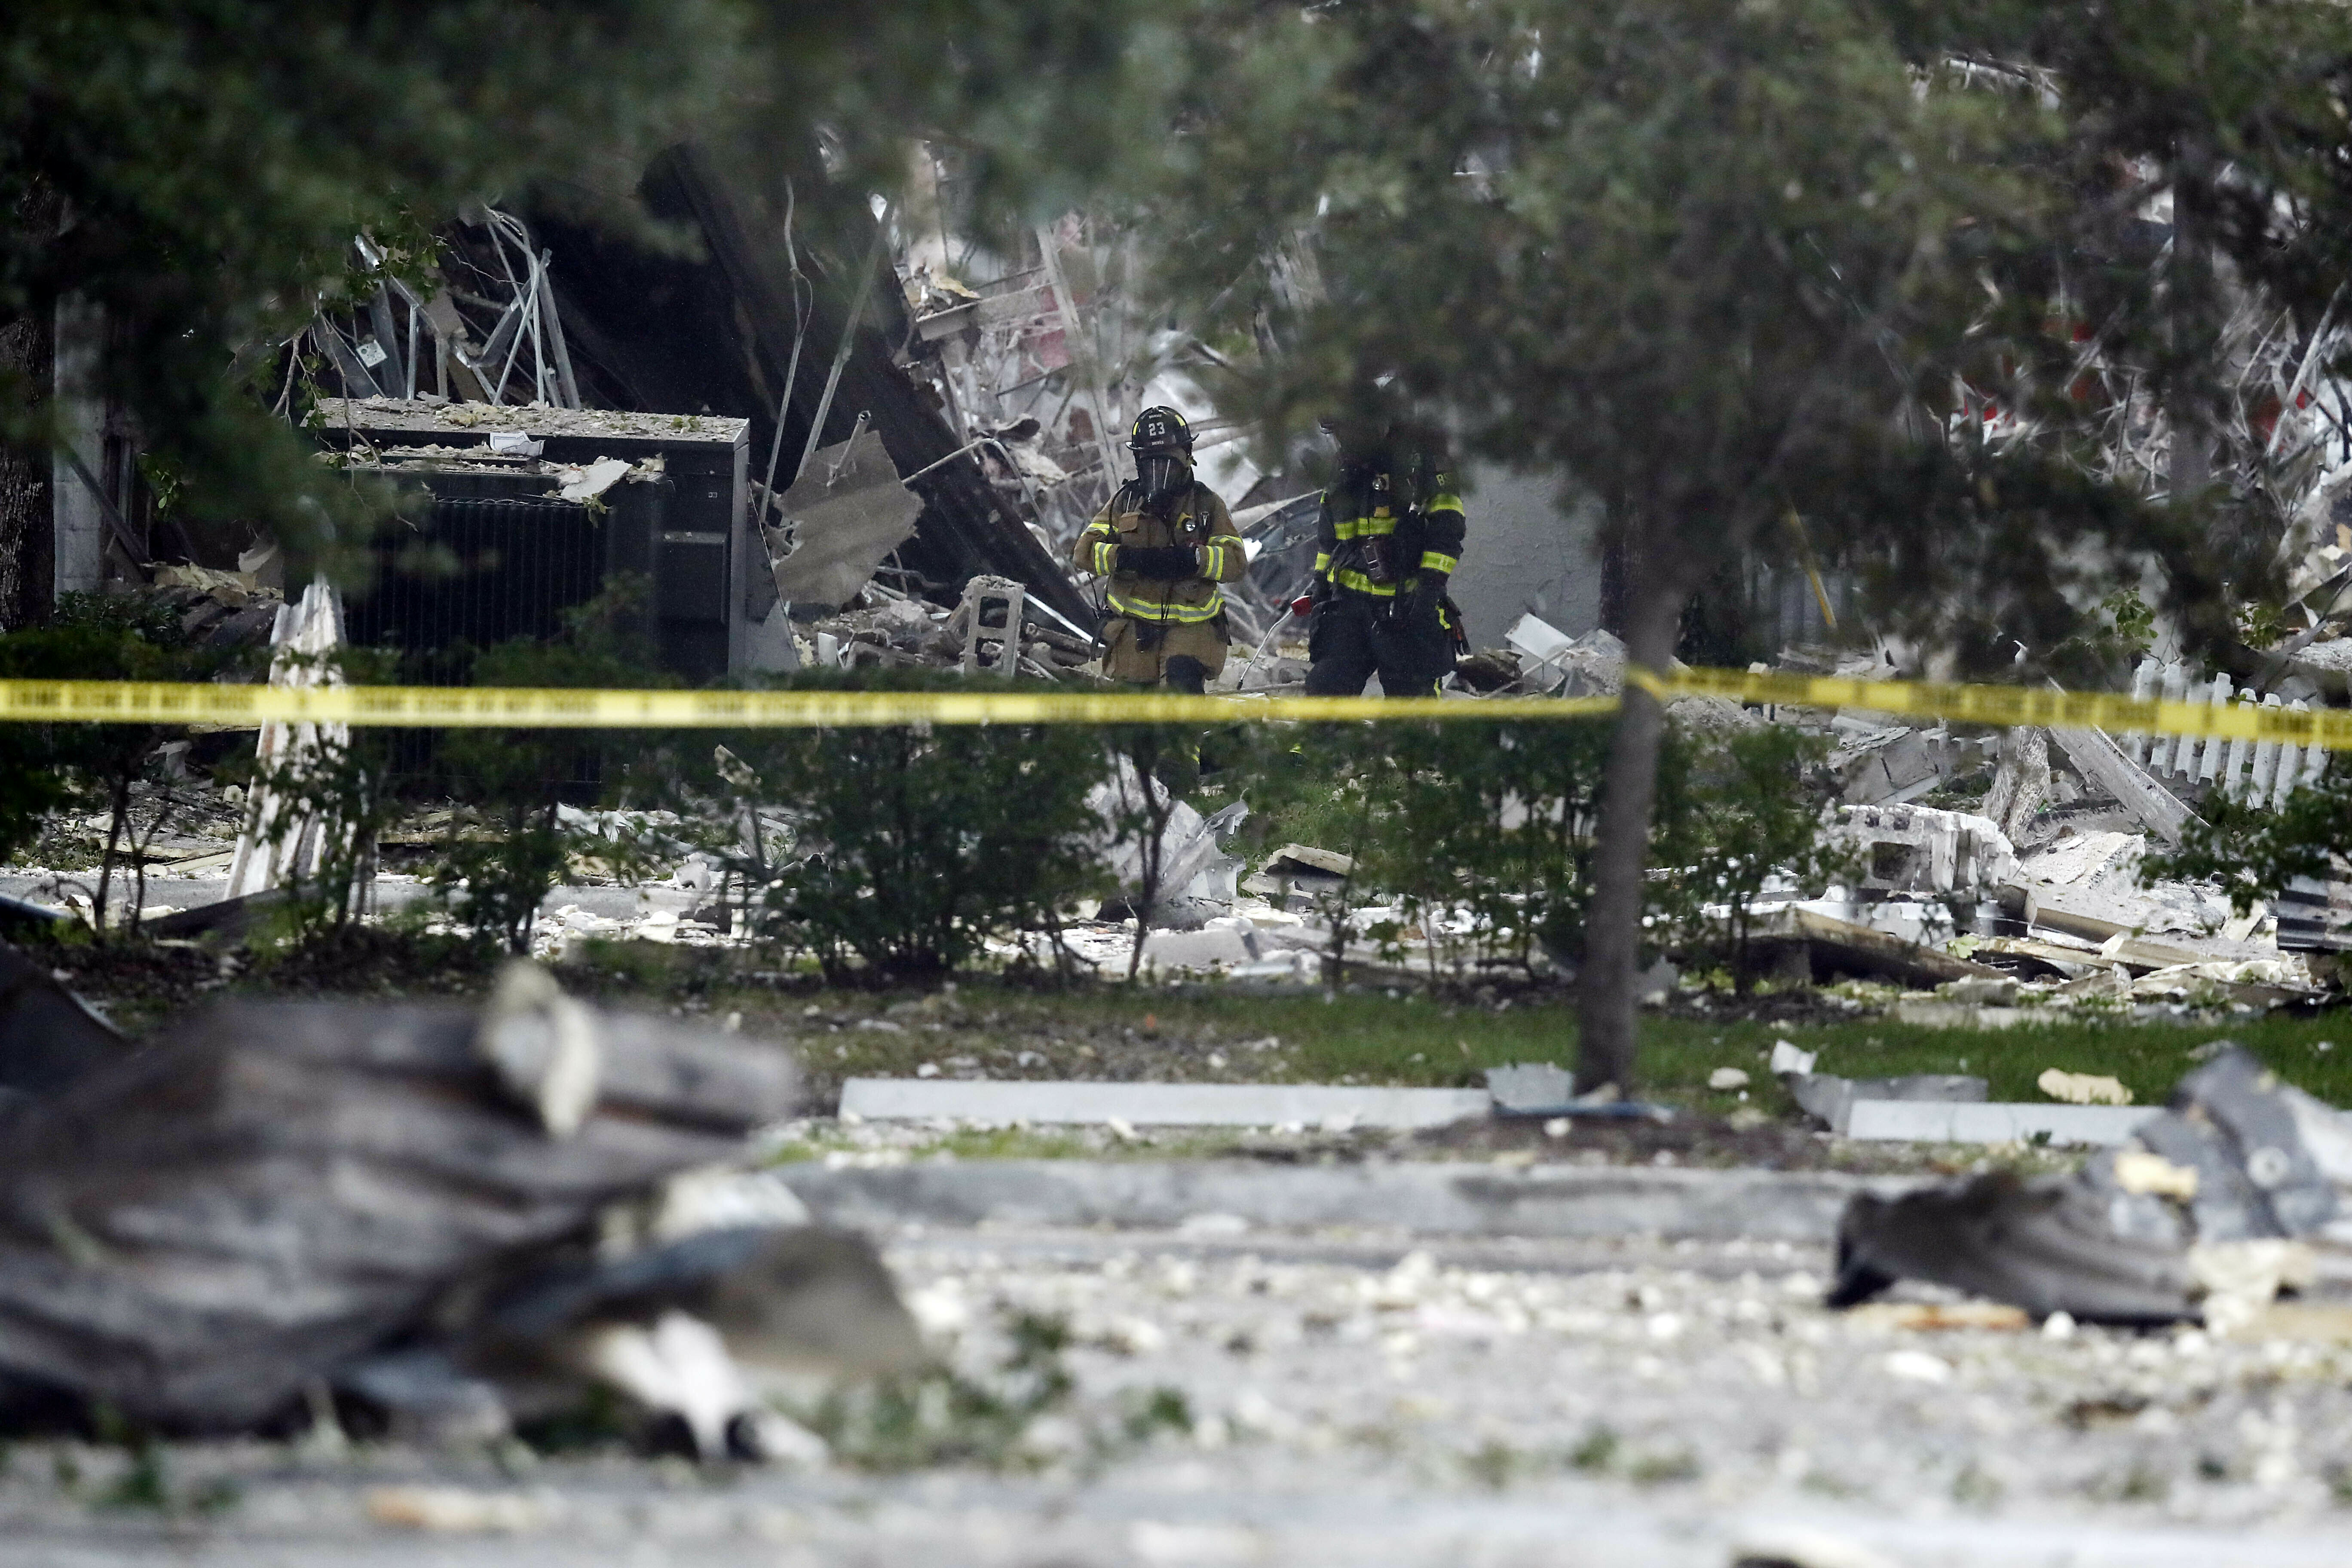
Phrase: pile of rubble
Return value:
(433, 1222)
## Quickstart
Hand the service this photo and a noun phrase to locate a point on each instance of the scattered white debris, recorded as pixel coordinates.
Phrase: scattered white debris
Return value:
(2083, 1088)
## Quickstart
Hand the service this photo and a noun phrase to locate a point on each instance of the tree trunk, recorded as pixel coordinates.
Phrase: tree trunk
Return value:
(1613, 926)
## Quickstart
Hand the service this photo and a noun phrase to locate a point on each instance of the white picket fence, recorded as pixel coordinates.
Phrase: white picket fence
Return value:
(2258, 773)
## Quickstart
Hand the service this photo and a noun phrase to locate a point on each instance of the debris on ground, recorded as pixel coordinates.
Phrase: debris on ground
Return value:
(48, 1035)
(405, 1201)
(2083, 1088)
(2214, 1206)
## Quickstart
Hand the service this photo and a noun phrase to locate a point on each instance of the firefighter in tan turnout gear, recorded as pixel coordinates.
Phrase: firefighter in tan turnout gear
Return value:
(1165, 541)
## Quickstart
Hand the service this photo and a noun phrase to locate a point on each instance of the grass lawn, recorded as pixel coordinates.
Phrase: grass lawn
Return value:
(1209, 1032)
(1200, 1034)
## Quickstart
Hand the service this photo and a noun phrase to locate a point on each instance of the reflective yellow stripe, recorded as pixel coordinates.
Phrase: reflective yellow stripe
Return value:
(1363, 526)
(1213, 562)
(1443, 500)
(1106, 557)
(1344, 527)
(1322, 563)
(1171, 614)
(1431, 561)
(1363, 585)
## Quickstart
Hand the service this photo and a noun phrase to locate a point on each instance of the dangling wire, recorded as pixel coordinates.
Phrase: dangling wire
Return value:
(800, 307)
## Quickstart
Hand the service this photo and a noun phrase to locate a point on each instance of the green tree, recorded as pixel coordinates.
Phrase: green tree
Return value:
(198, 169)
(1719, 260)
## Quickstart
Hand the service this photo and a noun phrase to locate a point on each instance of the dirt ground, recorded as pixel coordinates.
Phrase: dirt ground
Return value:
(1275, 1399)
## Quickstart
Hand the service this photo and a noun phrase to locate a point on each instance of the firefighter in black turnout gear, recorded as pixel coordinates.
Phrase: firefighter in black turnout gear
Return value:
(1390, 536)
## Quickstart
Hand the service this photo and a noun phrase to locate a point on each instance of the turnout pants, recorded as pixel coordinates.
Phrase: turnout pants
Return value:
(1353, 637)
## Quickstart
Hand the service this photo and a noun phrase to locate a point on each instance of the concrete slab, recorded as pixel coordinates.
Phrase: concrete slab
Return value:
(1425, 1199)
(1157, 1104)
(1926, 1122)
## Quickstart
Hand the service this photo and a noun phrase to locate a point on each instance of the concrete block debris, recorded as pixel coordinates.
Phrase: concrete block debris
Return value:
(1299, 876)
(1007, 1101)
(2204, 1210)
(1919, 849)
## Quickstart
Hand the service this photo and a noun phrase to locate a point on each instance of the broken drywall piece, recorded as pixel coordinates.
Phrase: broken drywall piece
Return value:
(838, 522)
(586, 482)
(1590, 665)
(1194, 865)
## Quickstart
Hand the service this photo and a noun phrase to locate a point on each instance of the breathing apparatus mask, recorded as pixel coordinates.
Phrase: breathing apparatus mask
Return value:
(1161, 441)
(1160, 475)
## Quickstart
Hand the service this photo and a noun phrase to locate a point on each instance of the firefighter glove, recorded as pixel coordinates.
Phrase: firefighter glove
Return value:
(1417, 604)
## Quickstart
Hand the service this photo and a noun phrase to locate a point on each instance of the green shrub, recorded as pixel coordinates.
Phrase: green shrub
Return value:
(1758, 812)
(45, 768)
(508, 850)
(2253, 853)
(914, 844)
(1488, 820)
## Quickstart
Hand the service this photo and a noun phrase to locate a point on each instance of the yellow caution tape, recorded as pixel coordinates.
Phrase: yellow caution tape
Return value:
(2007, 706)
(443, 707)
(487, 707)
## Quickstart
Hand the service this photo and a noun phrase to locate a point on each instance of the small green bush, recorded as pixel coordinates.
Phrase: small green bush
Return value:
(2253, 853)
(1758, 812)
(45, 768)
(1491, 820)
(916, 844)
(497, 868)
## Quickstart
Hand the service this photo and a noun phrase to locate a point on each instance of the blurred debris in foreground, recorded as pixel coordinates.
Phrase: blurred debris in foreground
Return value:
(452, 1220)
